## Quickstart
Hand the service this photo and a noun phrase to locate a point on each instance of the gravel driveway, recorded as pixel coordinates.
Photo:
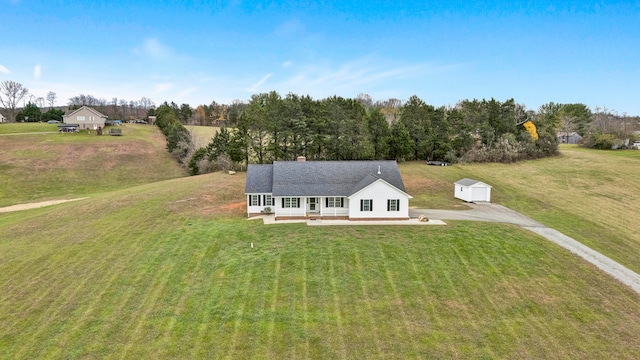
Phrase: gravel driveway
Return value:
(498, 213)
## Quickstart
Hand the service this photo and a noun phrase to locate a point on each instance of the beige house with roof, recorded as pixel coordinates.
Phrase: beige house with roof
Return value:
(86, 118)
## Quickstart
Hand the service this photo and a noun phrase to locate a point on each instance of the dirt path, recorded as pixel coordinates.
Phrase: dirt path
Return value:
(30, 133)
(499, 213)
(35, 205)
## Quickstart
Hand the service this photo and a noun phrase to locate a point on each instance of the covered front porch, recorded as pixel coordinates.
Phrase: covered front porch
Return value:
(311, 207)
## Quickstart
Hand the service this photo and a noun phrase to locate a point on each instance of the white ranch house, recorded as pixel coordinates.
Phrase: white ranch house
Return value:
(471, 190)
(355, 190)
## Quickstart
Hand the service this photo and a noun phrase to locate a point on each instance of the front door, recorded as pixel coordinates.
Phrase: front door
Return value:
(312, 204)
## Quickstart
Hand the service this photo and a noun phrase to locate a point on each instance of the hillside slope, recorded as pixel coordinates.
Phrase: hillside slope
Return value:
(35, 167)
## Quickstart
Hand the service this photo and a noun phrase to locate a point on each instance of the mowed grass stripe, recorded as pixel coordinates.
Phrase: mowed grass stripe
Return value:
(404, 325)
(336, 309)
(238, 317)
(366, 299)
(67, 285)
(116, 265)
(273, 309)
(159, 279)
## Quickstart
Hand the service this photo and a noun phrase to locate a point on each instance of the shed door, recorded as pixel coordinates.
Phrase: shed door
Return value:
(480, 194)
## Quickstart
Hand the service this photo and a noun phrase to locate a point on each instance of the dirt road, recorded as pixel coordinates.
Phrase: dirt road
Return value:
(35, 205)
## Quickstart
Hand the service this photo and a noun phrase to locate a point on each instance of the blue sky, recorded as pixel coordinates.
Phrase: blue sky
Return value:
(443, 51)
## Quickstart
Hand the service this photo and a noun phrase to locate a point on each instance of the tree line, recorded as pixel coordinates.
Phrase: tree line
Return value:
(271, 127)
(11, 93)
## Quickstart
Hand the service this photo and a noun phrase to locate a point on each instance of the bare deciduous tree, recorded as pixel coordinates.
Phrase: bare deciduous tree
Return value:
(11, 93)
(568, 125)
(51, 99)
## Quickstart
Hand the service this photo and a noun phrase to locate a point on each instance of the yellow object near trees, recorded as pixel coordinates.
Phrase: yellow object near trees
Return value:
(531, 128)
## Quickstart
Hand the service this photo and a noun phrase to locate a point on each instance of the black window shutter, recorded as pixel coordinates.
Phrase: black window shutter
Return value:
(326, 202)
(283, 203)
(341, 202)
(258, 199)
(371, 205)
(388, 205)
(398, 205)
(298, 204)
(361, 205)
(249, 199)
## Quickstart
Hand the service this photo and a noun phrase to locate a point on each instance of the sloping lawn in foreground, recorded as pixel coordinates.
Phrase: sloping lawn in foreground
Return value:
(141, 277)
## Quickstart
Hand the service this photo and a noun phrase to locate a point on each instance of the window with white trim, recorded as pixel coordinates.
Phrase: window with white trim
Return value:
(393, 205)
(334, 202)
(290, 202)
(91, 118)
(255, 200)
(268, 201)
(366, 205)
(80, 118)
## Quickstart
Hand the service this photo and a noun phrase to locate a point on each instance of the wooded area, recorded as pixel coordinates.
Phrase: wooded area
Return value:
(271, 127)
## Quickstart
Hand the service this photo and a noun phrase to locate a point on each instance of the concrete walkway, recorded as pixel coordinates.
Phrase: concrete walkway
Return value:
(271, 220)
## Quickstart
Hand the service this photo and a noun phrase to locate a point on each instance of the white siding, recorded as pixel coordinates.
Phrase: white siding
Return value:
(255, 209)
(287, 212)
(334, 211)
(463, 192)
(379, 192)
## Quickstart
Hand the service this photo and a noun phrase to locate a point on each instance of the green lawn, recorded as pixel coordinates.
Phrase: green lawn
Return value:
(166, 270)
(157, 265)
(590, 195)
(17, 128)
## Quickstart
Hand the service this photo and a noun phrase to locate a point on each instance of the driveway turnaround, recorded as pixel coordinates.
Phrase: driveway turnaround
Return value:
(498, 213)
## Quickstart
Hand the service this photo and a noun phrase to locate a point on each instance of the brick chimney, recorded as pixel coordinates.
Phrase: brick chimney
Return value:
(302, 158)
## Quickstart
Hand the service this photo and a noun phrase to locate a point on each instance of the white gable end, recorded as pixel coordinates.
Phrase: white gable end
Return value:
(379, 200)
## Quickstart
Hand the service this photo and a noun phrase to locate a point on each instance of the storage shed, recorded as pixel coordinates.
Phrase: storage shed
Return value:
(471, 190)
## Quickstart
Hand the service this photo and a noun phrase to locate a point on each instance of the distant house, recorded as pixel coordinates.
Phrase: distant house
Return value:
(355, 190)
(86, 118)
(564, 137)
(471, 190)
(2, 118)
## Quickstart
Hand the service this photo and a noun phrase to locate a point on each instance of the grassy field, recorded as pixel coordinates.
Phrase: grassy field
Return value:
(17, 128)
(592, 196)
(165, 269)
(202, 135)
(52, 166)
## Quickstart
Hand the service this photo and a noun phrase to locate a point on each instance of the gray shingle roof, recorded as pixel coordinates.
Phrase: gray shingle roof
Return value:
(469, 182)
(259, 178)
(321, 178)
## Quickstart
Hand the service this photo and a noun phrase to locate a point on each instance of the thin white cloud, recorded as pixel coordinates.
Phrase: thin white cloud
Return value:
(287, 64)
(162, 87)
(351, 76)
(37, 71)
(153, 48)
(4, 70)
(255, 86)
(188, 91)
(288, 28)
